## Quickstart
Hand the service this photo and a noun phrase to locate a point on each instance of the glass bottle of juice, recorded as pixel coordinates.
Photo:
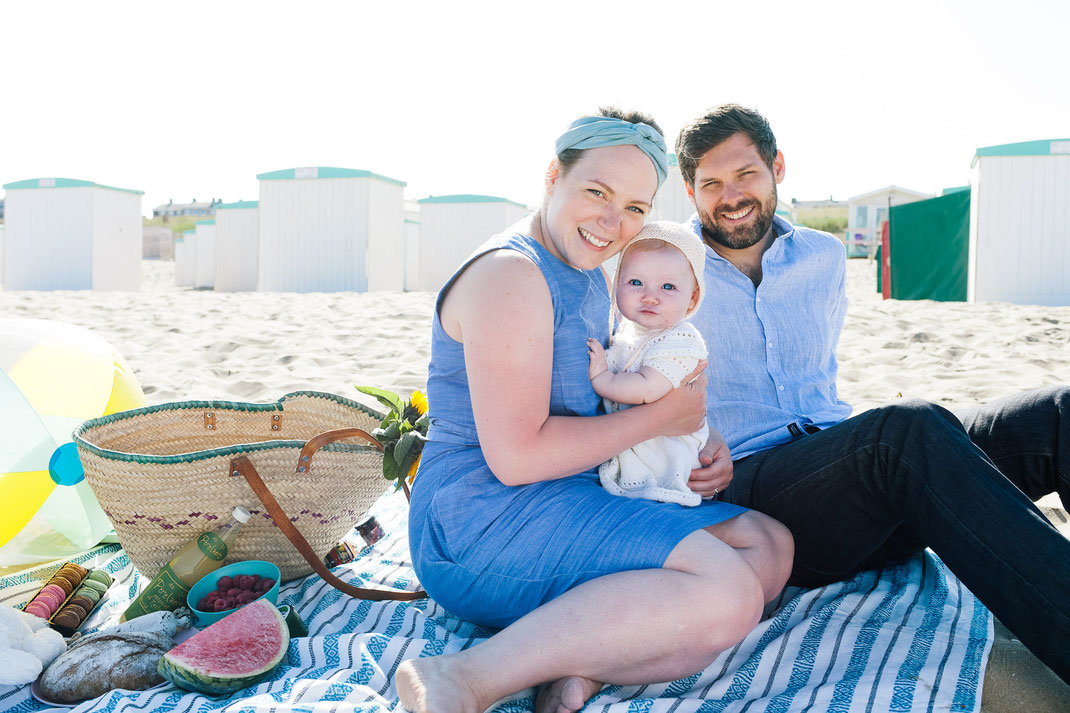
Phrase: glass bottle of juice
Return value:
(168, 589)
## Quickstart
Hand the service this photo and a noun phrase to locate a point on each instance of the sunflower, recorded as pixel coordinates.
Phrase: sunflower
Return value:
(412, 470)
(416, 407)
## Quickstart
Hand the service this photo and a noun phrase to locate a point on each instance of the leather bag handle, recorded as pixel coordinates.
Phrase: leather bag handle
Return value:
(243, 466)
(304, 461)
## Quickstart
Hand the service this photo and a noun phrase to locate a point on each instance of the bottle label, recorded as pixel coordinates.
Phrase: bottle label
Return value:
(212, 546)
(166, 592)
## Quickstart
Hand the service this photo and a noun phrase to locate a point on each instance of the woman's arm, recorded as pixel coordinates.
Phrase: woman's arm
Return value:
(500, 308)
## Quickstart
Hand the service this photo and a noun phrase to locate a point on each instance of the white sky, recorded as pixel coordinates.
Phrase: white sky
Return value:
(193, 99)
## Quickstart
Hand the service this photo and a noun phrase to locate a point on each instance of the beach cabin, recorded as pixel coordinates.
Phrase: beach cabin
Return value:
(237, 246)
(186, 258)
(412, 246)
(204, 239)
(67, 234)
(156, 242)
(1020, 223)
(452, 226)
(330, 230)
(868, 211)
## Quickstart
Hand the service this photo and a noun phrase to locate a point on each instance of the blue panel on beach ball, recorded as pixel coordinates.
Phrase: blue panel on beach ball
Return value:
(65, 466)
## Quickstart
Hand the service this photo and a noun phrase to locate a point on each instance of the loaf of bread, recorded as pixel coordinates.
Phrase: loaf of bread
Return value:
(98, 664)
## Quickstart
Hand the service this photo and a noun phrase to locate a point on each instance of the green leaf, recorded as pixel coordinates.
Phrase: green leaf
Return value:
(423, 423)
(387, 435)
(403, 449)
(387, 398)
(390, 467)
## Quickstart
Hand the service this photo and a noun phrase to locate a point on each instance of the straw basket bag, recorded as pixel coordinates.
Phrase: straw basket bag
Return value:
(304, 466)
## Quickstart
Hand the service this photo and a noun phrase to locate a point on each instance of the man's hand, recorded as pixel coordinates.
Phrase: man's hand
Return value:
(598, 359)
(716, 471)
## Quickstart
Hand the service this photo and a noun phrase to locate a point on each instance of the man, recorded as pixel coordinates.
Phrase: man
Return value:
(860, 492)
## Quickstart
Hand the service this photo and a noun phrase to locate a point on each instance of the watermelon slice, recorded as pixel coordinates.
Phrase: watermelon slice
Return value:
(237, 651)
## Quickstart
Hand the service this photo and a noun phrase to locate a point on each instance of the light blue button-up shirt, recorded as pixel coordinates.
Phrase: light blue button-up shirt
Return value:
(772, 369)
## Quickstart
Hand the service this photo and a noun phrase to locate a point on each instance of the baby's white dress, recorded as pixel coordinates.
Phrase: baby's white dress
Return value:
(657, 469)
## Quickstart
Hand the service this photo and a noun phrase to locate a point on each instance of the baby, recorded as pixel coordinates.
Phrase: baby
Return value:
(658, 285)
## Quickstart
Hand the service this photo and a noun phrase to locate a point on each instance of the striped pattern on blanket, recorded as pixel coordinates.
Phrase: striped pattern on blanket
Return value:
(909, 637)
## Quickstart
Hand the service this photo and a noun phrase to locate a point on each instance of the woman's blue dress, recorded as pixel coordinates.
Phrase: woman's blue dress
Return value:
(490, 553)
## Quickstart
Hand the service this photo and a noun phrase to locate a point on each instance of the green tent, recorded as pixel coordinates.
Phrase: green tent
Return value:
(929, 244)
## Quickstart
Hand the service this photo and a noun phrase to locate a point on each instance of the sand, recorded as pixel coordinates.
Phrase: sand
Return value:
(192, 344)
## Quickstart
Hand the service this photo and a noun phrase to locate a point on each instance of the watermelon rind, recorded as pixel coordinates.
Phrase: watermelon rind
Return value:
(177, 668)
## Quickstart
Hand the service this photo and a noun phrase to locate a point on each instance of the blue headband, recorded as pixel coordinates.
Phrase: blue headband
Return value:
(593, 132)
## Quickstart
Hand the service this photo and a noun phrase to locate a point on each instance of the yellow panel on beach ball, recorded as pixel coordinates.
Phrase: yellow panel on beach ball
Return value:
(22, 495)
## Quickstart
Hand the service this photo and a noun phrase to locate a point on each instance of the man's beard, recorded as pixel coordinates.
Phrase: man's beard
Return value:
(746, 235)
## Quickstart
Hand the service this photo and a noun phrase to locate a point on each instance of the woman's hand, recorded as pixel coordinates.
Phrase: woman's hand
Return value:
(682, 410)
(716, 471)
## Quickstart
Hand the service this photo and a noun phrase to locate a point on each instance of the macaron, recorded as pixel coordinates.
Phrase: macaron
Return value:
(62, 583)
(37, 609)
(83, 601)
(79, 569)
(56, 590)
(67, 620)
(95, 585)
(50, 605)
(88, 592)
(99, 575)
(78, 611)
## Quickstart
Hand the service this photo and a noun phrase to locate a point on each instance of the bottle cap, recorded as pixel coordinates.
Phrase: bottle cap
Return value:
(241, 514)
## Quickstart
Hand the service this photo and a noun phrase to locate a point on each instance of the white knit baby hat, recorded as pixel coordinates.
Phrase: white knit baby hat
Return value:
(681, 237)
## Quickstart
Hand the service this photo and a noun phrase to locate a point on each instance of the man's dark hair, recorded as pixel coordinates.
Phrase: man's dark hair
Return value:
(716, 126)
(569, 157)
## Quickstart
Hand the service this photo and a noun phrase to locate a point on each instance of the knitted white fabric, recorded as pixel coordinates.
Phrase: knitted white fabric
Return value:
(657, 469)
(683, 239)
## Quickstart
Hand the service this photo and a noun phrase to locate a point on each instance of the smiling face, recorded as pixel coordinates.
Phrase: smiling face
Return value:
(735, 193)
(597, 205)
(656, 287)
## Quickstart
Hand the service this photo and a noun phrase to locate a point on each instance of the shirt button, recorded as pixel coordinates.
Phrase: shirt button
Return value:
(757, 299)
(781, 388)
(770, 345)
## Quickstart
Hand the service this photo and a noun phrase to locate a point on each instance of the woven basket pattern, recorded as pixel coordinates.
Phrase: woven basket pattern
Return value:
(163, 476)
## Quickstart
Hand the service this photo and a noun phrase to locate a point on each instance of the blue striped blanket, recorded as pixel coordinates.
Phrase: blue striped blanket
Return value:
(908, 637)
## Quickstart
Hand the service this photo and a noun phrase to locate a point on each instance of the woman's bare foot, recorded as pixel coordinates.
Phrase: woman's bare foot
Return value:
(565, 695)
(435, 685)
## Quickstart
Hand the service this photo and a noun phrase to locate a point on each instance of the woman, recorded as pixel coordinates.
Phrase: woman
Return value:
(509, 526)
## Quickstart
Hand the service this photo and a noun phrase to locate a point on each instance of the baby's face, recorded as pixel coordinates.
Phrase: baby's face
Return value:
(656, 289)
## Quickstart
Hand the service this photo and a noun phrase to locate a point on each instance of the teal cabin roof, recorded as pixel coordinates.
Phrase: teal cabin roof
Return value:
(237, 205)
(191, 231)
(64, 183)
(1044, 147)
(290, 174)
(467, 198)
(205, 222)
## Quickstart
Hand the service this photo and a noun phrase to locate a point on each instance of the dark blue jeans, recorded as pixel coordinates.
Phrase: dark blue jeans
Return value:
(891, 481)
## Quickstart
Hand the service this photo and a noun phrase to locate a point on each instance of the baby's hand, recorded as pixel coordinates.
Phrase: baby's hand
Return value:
(598, 359)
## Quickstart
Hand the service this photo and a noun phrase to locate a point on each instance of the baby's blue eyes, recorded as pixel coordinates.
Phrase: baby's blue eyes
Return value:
(636, 282)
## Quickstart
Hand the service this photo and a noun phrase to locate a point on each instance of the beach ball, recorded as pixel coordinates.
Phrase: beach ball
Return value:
(53, 376)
